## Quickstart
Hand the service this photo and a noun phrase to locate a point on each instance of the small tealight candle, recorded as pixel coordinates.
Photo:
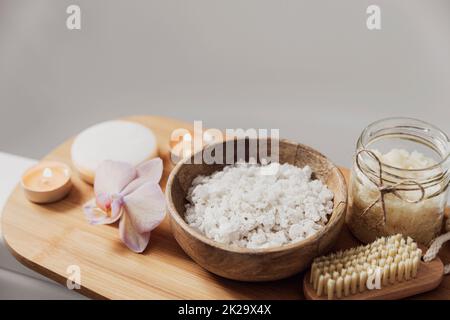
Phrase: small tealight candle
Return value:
(48, 181)
(182, 149)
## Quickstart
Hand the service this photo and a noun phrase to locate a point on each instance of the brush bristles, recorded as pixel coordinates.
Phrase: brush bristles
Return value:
(343, 273)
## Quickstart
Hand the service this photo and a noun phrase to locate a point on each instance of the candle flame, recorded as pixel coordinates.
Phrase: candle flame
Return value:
(187, 137)
(47, 173)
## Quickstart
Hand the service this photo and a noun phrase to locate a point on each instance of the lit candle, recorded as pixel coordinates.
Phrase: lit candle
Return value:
(182, 148)
(46, 182)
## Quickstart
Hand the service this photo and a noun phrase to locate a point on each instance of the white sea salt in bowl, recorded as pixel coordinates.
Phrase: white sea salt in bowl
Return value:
(274, 259)
(242, 207)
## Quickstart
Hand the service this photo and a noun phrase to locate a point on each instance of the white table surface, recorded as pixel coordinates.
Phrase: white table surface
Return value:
(16, 280)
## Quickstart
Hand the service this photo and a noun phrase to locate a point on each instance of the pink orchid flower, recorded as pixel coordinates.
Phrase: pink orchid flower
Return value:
(131, 194)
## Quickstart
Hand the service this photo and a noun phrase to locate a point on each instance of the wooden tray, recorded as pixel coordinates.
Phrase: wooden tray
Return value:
(50, 238)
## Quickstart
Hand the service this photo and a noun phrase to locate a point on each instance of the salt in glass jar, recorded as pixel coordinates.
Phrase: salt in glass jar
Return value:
(386, 199)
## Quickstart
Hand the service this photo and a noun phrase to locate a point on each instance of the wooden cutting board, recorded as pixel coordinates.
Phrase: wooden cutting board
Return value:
(50, 238)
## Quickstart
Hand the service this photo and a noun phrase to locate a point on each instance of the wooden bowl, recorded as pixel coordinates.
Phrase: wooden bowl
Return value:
(256, 264)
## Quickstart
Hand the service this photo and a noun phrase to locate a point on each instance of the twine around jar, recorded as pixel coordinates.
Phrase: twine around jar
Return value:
(385, 189)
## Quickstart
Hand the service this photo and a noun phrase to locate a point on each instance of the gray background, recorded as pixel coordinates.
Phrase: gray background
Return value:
(310, 68)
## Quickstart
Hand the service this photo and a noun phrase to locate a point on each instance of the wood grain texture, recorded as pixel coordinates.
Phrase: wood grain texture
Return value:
(429, 276)
(49, 238)
(255, 264)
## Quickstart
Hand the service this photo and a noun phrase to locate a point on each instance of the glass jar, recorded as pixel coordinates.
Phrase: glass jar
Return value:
(386, 199)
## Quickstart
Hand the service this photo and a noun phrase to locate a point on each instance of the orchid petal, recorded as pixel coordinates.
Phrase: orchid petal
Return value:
(146, 207)
(96, 215)
(152, 170)
(113, 176)
(149, 171)
(131, 237)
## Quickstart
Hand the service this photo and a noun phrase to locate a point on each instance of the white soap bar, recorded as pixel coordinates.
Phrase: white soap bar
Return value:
(112, 140)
